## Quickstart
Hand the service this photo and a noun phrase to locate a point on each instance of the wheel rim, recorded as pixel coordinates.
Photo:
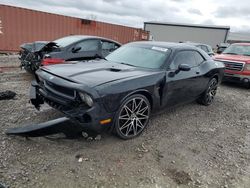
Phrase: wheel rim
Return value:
(211, 92)
(133, 117)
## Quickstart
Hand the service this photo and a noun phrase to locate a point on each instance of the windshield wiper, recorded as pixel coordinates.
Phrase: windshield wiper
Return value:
(128, 64)
(246, 54)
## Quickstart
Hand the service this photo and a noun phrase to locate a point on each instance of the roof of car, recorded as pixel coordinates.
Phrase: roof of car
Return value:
(84, 36)
(164, 44)
(195, 43)
(92, 37)
(172, 45)
(223, 44)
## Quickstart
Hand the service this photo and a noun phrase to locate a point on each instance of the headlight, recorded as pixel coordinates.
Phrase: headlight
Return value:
(86, 98)
(247, 67)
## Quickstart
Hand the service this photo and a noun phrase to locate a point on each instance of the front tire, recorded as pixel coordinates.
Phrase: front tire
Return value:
(208, 96)
(132, 117)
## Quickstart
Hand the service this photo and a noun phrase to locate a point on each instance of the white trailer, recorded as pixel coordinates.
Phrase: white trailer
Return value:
(175, 32)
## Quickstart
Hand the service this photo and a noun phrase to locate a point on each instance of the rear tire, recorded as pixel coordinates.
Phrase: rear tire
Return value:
(132, 117)
(208, 96)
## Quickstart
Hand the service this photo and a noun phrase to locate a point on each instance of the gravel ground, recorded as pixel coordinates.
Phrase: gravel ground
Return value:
(190, 146)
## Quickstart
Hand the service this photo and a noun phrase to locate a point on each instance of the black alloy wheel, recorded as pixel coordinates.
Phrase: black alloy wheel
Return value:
(208, 96)
(132, 117)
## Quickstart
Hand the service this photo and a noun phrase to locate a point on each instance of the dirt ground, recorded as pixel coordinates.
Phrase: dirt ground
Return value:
(190, 146)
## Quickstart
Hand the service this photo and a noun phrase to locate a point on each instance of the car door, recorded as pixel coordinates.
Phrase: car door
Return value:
(107, 47)
(202, 80)
(86, 49)
(181, 86)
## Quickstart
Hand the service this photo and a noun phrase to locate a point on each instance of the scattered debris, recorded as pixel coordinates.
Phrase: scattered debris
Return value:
(158, 155)
(180, 177)
(80, 160)
(142, 148)
(7, 95)
(140, 155)
(85, 135)
(90, 138)
(98, 137)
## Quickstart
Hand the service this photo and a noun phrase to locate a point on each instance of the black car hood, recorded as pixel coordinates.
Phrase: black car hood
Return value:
(95, 73)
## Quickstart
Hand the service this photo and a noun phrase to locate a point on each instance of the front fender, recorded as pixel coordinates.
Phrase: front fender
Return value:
(113, 94)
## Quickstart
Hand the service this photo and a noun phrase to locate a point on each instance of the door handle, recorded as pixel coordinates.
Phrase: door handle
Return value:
(197, 72)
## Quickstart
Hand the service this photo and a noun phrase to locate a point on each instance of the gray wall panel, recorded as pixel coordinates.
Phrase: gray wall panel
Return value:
(170, 33)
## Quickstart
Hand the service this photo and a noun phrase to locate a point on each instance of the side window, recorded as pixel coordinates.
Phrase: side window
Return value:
(210, 49)
(108, 47)
(88, 45)
(183, 57)
(204, 48)
(198, 57)
(199, 46)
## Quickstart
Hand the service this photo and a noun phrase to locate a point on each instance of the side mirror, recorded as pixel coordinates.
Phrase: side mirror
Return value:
(75, 50)
(183, 67)
(219, 51)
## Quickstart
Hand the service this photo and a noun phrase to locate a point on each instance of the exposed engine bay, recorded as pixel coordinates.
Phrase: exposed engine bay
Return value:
(31, 54)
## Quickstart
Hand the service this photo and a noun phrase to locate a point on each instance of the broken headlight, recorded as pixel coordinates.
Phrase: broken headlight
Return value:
(86, 99)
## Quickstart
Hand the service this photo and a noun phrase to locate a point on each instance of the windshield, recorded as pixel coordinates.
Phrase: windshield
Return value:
(138, 56)
(65, 41)
(238, 50)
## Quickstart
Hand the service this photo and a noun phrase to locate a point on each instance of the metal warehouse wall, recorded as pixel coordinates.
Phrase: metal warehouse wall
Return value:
(176, 33)
(19, 25)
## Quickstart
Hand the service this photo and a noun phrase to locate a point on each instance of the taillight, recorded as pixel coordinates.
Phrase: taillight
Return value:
(51, 61)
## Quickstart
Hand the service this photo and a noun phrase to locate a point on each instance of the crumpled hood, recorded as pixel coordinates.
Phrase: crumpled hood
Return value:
(37, 46)
(95, 73)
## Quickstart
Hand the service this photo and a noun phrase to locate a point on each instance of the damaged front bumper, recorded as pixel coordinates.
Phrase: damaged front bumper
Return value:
(88, 117)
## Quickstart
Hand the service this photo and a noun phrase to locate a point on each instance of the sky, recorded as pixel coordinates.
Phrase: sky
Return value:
(233, 13)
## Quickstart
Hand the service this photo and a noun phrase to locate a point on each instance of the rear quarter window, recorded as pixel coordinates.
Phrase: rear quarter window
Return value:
(198, 57)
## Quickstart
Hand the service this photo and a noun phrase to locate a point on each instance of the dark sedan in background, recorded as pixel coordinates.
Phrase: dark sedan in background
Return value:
(221, 47)
(124, 89)
(74, 47)
(207, 48)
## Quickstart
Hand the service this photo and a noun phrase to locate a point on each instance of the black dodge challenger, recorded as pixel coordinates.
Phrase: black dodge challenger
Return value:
(124, 89)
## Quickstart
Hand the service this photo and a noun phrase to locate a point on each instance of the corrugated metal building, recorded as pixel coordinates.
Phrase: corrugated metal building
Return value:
(175, 32)
(20, 25)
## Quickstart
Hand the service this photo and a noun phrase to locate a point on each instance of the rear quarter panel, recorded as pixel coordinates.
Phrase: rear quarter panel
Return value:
(213, 68)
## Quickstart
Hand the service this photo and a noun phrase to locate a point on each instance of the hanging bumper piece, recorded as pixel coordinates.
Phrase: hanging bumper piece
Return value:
(60, 125)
